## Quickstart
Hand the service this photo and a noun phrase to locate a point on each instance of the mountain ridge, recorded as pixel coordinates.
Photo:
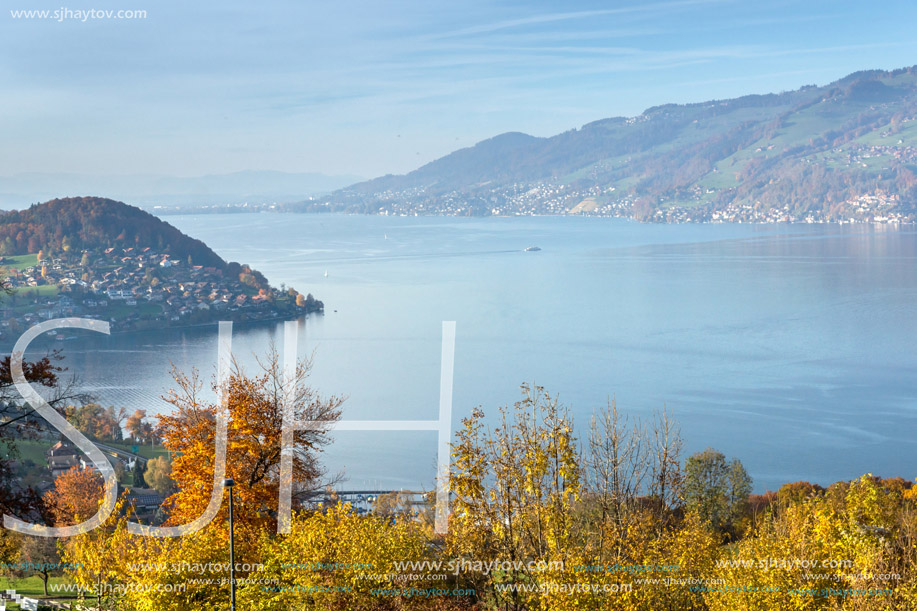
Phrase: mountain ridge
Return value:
(812, 153)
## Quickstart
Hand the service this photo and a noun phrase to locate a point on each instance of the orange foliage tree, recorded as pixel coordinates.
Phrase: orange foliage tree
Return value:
(75, 496)
(254, 405)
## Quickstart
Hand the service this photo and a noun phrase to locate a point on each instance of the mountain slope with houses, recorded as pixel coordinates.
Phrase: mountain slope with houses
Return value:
(103, 259)
(62, 226)
(842, 151)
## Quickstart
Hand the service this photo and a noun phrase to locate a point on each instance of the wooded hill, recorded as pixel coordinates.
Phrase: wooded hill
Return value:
(71, 225)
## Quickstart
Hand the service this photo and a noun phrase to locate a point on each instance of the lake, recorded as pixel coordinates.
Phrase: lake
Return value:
(787, 346)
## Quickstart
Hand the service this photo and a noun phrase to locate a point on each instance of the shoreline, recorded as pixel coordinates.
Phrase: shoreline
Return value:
(7, 348)
(272, 210)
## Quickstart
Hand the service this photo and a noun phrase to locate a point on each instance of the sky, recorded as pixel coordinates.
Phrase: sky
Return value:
(374, 87)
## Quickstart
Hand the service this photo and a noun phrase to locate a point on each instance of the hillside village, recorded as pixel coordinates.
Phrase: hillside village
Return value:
(537, 199)
(139, 288)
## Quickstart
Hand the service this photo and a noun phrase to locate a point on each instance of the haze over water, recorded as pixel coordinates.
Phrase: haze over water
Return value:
(789, 347)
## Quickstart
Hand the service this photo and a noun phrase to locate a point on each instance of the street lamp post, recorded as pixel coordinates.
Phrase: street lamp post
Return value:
(229, 483)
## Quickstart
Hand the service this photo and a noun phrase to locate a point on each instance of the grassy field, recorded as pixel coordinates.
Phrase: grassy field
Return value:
(907, 135)
(154, 452)
(587, 205)
(32, 587)
(45, 290)
(21, 261)
(29, 450)
(723, 178)
(683, 203)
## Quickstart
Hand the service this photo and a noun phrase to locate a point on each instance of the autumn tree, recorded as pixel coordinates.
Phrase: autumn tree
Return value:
(617, 462)
(134, 423)
(858, 536)
(349, 561)
(254, 406)
(139, 429)
(525, 491)
(75, 496)
(394, 504)
(515, 489)
(158, 475)
(98, 560)
(97, 421)
(38, 556)
(667, 479)
(9, 546)
(796, 493)
(716, 488)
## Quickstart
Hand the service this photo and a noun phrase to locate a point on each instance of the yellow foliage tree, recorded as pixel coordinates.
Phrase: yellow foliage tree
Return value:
(515, 490)
(337, 559)
(851, 547)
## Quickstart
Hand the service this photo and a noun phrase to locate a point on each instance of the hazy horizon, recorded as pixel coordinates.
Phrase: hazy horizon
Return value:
(146, 190)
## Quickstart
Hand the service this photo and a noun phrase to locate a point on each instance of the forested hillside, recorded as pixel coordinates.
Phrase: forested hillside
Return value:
(88, 223)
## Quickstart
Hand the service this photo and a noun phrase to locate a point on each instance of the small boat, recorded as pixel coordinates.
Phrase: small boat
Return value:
(532, 249)
(326, 273)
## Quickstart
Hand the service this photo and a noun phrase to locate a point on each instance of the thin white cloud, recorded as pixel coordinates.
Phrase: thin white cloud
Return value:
(574, 15)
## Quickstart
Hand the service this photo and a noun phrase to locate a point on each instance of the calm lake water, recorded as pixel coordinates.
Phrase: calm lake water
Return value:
(789, 347)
